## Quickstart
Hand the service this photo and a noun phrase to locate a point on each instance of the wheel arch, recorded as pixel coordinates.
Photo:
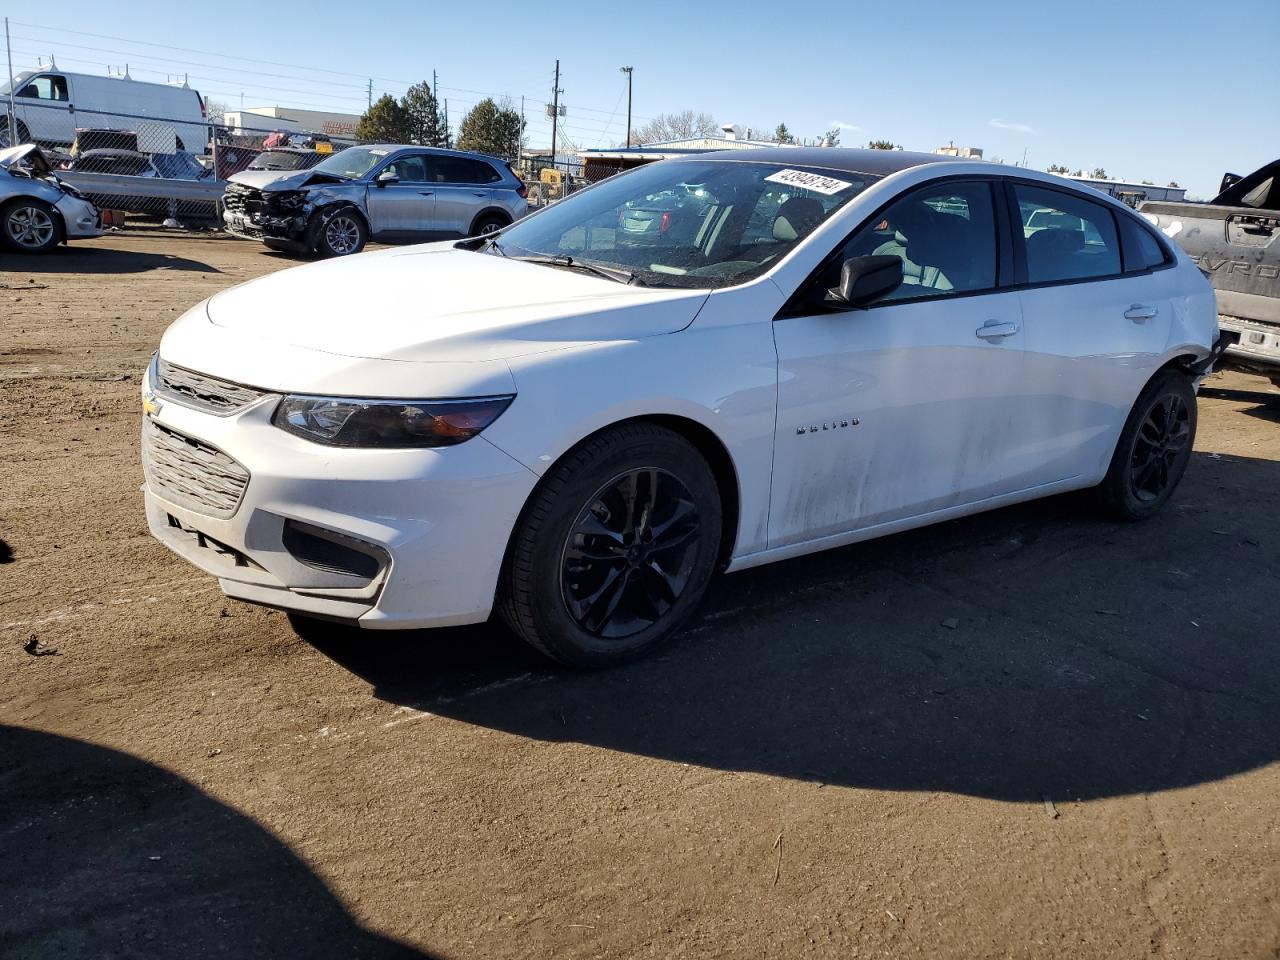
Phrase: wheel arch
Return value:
(703, 439)
(488, 212)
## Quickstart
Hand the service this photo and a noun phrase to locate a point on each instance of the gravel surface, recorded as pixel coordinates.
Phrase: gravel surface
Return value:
(1032, 733)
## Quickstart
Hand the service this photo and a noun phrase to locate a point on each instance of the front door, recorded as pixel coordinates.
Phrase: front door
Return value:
(404, 209)
(912, 405)
(43, 103)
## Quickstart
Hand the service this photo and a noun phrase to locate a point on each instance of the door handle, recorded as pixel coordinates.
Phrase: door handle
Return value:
(480, 193)
(994, 330)
(425, 193)
(1141, 312)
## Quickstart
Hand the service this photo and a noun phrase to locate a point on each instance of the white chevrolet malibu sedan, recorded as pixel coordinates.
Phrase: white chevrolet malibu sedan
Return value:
(707, 363)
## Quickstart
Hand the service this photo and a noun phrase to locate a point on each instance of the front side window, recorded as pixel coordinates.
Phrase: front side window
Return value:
(411, 169)
(1066, 237)
(47, 87)
(689, 223)
(945, 235)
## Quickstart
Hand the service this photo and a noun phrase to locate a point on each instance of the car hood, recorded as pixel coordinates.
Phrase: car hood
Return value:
(283, 179)
(11, 155)
(438, 303)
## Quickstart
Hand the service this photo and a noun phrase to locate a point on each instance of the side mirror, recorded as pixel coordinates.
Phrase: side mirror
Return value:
(864, 280)
(386, 177)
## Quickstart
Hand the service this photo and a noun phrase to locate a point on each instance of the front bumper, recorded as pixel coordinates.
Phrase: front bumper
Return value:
(432, 525)
(80, 218)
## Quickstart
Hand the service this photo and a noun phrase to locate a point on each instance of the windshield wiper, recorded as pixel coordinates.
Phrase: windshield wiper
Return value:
(616, 274)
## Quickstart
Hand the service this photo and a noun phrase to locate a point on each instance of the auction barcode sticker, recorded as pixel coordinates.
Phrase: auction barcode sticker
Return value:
(809, 181)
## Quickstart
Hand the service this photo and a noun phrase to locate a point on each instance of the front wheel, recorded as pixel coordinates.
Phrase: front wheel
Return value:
(28, 225)
(340, 233)
(1154, 448)
(615, 548)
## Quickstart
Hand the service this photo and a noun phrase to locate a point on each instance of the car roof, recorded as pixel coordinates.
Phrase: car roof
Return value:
(879, 163)
(440, 150)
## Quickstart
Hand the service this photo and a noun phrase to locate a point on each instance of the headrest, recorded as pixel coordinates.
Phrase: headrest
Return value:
(796, 217)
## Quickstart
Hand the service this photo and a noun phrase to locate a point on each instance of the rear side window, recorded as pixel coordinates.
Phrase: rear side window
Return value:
(462, 170)
(945, 235)
(1142, 251)
(1066, 237)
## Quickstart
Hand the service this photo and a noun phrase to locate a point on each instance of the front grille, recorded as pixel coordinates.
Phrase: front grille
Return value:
(191, 473)
(242, 199)
(203, 392)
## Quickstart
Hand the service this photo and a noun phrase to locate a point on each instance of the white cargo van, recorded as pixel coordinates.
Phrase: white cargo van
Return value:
(50, 104)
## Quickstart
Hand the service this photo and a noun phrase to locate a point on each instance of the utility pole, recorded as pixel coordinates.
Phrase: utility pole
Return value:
(555, 113)
(627, 71)
(371, 91)
(448, 136)
(435, 85)
(13, 120)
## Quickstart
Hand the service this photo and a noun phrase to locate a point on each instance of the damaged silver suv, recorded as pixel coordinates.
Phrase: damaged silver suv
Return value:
(386, 192)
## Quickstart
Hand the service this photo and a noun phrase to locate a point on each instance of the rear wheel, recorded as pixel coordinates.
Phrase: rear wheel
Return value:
(1154, 448)
(28, 225)
(340, 233)
(487, 225)
(615, 549)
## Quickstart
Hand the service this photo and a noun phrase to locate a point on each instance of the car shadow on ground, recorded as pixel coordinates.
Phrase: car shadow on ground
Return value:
(1029, 652)
(95, 260)
(1266, 405)
(6, 552)
(106, 855)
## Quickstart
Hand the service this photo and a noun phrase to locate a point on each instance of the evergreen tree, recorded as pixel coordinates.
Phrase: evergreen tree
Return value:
(421, 111)
(783, 135)
(384, 122)
(492, 129)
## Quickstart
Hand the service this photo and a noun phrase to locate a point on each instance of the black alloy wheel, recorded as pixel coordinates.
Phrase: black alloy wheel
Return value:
(630, 553)
(615, 547)
(1154, 448)
(1163, 437)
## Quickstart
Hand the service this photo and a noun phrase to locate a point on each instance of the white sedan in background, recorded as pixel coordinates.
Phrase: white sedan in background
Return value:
(578, 429)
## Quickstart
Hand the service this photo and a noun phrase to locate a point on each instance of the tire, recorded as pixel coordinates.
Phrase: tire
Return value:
(28, 225)
(591, 582)
(341, 233)
(489, 223)
(24, 135)
(1154, 449)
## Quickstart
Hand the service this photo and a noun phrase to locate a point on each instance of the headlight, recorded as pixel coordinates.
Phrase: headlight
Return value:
(346, 422)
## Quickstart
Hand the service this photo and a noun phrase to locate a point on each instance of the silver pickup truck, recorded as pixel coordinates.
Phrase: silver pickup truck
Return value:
(1235, 239)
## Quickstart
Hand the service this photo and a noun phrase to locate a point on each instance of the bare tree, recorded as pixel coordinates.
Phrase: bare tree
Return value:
(215, 111)
(685, 125)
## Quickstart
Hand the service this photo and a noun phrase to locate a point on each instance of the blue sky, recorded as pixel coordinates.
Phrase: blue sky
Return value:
(1158, 91)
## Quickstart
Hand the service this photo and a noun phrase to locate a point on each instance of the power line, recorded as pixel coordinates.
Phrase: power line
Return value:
(227, 56)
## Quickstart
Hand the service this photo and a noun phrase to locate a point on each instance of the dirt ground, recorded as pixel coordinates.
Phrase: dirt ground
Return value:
(1032, 733)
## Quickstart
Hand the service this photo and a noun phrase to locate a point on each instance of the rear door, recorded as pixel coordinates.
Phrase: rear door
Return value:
(1096, 322)
(464, 187)
(404, 210)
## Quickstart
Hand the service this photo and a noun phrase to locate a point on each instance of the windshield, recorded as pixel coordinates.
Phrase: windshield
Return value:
(283, 160)
(353, 162)
(688, 223)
